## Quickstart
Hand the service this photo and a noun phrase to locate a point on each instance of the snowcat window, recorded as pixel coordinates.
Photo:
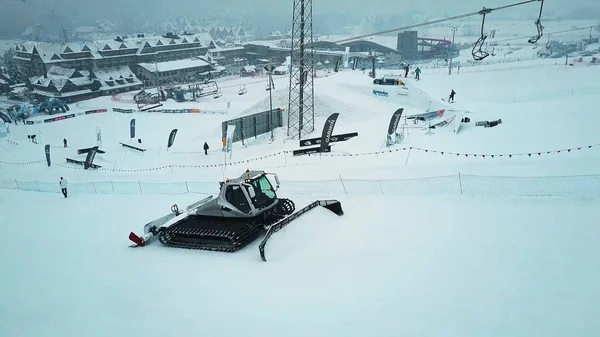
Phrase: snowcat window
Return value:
(266, 188)
(235, 196)
(264, 192)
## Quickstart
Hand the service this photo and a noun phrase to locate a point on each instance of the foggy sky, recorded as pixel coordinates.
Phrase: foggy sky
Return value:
(15, 14)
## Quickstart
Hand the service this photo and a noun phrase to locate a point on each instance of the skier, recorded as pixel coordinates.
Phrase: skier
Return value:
(63, 186)
(206, 148)
(418, 73)
(64, 142)
(406, 69)
(451, 97)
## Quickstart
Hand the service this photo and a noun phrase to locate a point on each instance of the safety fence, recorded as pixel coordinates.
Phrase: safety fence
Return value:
(320, 156)
(459, 184)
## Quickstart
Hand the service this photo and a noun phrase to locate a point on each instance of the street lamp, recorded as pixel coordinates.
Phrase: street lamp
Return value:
(269, 68)
(454, 29)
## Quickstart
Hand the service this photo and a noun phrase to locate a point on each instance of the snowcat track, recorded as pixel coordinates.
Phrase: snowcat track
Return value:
(332, 205)
(198, 238)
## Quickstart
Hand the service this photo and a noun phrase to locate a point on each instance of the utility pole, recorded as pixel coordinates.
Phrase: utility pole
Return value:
(451, 50)
(269, 67)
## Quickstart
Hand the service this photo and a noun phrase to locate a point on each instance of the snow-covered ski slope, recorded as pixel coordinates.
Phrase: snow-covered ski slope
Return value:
(393, 265)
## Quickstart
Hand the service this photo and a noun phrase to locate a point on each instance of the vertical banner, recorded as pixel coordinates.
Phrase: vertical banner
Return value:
(171, 138)
(230, 133)
(328, 131)
(90, 158)
(132, 128)
(98, 136)
(47, 150)
(337, 65)
(394, 121)
(391, 132)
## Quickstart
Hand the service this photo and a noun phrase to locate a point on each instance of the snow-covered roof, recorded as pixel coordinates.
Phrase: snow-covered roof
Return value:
(175, 65)
(57, 52)
(59, 77)
(116, 77)
(249, 69)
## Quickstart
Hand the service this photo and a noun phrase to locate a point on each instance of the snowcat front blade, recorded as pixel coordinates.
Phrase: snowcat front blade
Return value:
(332, 205)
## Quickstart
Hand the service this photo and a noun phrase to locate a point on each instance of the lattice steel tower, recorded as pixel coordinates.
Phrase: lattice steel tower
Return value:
(301, 110)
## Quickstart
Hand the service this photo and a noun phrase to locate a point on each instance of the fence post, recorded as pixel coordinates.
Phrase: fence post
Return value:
(140, 186)
(94, 184)
(17, 185)
(187, 188)
(343, 186)
(460, 183)
(38, 185)
(112, 185)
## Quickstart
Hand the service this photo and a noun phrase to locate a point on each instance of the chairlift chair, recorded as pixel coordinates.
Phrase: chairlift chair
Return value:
(538, 25)
(477, 53)
(218, 94)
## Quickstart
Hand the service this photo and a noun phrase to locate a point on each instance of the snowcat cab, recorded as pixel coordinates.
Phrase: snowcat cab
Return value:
(250, 195)
(244, 207)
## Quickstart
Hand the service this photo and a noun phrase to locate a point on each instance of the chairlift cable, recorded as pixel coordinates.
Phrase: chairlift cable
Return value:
(427, 23)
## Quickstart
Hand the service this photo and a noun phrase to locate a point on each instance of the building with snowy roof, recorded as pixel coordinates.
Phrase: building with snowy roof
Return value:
(37, 59)
(177, 71)
(72, 85)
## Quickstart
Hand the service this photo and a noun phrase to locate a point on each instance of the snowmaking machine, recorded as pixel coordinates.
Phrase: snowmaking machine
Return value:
(244, 207)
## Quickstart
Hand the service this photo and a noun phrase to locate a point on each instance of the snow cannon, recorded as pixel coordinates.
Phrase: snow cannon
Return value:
(244, 208)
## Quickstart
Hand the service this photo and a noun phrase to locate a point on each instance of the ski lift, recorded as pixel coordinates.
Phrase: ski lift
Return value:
(242, 90)
(478, 54)
(218, 94)
(538, 25)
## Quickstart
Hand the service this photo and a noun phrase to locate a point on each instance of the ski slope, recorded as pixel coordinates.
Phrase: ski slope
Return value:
(392, 265)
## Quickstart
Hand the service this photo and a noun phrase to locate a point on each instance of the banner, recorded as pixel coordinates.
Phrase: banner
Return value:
(230, 133)
(392, 136)
(47, 150)
(336, 68)
(328, 130)
(172, 138)
(59, 118)
(90, 158)
(132, 128)
(98, 136)
(127, 111)
(394, 121)
(88, 112)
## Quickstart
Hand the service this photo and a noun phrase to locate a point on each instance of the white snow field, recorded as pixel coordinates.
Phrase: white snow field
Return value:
(498, 236)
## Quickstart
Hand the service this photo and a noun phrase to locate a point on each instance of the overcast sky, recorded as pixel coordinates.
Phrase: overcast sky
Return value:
(16, 12)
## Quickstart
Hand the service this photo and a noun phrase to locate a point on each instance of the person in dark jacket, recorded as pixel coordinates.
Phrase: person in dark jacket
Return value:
(64, 142)
(406, 70)
(418, 73)
(451, 97)
(206, 148)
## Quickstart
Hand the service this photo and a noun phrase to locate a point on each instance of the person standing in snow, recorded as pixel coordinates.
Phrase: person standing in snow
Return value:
(64, 142)
(63, 186)
(418, 73)
(451, 97)
(406, 70)
(206, 148)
